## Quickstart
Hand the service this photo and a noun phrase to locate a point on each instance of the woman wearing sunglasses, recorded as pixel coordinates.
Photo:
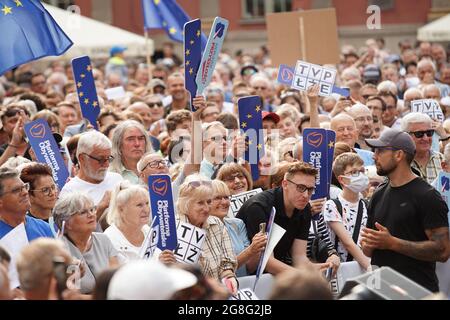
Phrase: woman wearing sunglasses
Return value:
(217, 259)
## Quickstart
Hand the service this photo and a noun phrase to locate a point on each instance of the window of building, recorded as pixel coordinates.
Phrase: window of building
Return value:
(383, 4)
(257, 9)
(63, 4)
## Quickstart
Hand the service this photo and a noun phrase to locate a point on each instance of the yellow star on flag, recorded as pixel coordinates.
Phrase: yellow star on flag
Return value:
(79, 84)
(188, 62)
(18, 3)
(81, 94)
(258, 108)
(188, 52)
(249, 116)
(86, 100)
(7, 10)
(191, 71)
(172, 30)
(89, 68)
(82, 75)
(198, 33)
(331, 144)
(244, 124)
(250, 142)
(94, 104)
(259, 146)
(191, 42)
(156, 2)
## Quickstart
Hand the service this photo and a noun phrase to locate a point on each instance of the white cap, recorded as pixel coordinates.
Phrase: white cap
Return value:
(148, 280)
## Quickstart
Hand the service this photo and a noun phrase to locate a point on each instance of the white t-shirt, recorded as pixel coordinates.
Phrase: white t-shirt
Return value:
(348, 218)
(95, 191)
(126, 250)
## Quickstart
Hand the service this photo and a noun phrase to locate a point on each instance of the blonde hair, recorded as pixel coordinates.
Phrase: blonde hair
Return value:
(229, 168)
(189, 194)
(122, 194)
(220, 187)
(289, 111)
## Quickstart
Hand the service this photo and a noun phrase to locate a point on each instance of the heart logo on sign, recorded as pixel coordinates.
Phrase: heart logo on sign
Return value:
(159, 186)
(445, 182)
(287, 75)
(37, 131)
(315, 139)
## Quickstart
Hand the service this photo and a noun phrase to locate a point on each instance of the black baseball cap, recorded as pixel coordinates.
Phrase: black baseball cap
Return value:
(395, 139)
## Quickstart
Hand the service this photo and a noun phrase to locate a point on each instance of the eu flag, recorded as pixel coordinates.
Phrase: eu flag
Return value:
(192, 56)
(87, 93)
(250, 122)
(28, 32)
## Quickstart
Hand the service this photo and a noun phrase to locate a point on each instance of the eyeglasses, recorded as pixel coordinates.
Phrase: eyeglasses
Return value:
(155, 105)
(156, 164)
(196, 184)
(355, 173)
(89, 211)
(220, 198)
(47, 190)
(18, 190)
(101, 161)
(420, 134)
(232, 177)
(302, 188)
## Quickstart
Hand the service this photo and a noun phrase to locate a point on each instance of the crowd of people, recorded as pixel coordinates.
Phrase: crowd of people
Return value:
(86, 240)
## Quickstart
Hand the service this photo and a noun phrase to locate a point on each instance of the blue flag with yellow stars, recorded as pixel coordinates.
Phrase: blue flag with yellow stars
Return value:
(250, 122)
(28, 32)
(167, 15)
(87, 93)
(192, 55)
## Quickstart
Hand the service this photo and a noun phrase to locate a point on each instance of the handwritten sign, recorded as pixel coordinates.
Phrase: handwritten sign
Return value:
(428, 106)
(190, 242)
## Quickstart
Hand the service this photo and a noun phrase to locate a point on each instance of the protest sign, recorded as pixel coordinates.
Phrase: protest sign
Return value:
(211, 53)
(85, 85)
(428, 106)
(151, 240)
(302, 34)
(237, 200)
(46, 149)
(192, 56)
(190, 242)
(13, 242)
(443, 186)
(115, 93)
(161, 200)
(245, 294)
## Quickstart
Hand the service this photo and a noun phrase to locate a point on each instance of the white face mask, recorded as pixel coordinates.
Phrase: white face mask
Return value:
(358, 184)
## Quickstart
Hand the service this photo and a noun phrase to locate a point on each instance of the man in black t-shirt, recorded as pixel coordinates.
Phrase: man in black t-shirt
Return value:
(407, 227)
(293, 213)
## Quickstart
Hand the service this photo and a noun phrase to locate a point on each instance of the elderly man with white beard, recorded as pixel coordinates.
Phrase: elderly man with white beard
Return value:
(93, 178)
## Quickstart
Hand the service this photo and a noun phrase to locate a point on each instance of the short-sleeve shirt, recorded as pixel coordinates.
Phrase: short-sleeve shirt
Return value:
(257, 210)
(407, 211)
(35, 228)
(96, 259)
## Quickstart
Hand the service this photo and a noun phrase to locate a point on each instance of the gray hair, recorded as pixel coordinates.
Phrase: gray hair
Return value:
(424, 62)
(123, 192)
(414, 117)
(6, 173)
(117, 138)
(91, 139)
(15, 163)
(387, 85)
(69, 204)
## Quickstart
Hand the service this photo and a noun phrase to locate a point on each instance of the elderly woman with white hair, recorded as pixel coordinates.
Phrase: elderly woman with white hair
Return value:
(128, 217)
(74, 214)
(217, 259)
(426, 161)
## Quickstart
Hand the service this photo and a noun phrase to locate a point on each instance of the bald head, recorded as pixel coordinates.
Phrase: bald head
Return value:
(363, 120)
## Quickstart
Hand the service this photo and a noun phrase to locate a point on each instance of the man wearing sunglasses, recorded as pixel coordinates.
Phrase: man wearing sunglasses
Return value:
(426, 161)
(407, 226)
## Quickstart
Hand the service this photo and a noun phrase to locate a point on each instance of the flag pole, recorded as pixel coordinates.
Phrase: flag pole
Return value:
(147, 53)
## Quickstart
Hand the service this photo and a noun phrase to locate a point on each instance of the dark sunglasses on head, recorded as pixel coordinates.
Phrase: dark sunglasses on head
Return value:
(420, 134)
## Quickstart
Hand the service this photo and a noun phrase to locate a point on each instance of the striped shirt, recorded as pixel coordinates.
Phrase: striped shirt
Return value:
(433, 167)
(217, 259)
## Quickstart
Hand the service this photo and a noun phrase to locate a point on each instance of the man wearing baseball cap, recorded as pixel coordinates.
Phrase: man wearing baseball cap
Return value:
(116, 64)
(270, 120)
(407, 226)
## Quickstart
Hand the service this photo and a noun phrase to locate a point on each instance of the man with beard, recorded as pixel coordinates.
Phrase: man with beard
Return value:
(364, 123)
(176, 89)
(93, 178)
(407, 227)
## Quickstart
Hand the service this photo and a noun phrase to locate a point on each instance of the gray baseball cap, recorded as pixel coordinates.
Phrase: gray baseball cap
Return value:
(395, 139)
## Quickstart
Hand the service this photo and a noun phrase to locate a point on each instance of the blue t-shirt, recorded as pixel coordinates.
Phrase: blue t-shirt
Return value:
(34, 228)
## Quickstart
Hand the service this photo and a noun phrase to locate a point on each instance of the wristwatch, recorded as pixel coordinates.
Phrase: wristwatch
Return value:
(332, 252)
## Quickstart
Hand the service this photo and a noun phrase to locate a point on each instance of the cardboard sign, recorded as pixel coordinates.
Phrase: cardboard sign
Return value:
(245, 294)
(192, 56)
(443, 186)
(309, 35)
(13, 242)
(190, 243)
(46, 149)
(428, 106)
(307, 74)
(211, 53)
(237, 200)
(161, 200)
(87, 93)
(250, 122)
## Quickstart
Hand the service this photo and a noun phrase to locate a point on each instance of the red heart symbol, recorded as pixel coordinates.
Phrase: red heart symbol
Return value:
(315, 139)
(37, 131)
(159, 186)
(287, 75)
